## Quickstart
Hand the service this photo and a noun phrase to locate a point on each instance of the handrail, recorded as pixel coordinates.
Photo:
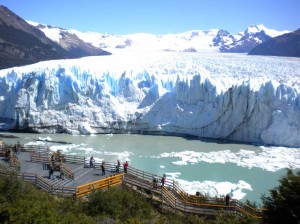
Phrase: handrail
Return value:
(189, 200)
(107, 182)
(67, 171)
(179, 197)
(40, 182)
(168, 195)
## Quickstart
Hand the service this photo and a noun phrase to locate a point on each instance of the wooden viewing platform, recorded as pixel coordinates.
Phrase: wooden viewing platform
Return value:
(32, 164)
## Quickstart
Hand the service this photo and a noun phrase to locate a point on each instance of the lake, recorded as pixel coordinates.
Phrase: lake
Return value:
(211, 167)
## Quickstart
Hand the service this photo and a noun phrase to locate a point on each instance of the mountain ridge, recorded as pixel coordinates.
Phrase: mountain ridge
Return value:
(287, 45)
(22, 43)
(213, 40)
(25, 42)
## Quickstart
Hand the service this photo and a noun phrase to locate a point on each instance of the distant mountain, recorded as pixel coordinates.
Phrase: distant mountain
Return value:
(69, 41)
(214, 40)
(253, 36)
(22, 43)
(283, 45)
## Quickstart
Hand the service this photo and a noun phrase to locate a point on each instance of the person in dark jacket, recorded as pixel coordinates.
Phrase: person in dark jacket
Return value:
(227, 199)
(103, 168)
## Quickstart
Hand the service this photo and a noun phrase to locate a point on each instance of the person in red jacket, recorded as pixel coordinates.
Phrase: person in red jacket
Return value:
(125, 165)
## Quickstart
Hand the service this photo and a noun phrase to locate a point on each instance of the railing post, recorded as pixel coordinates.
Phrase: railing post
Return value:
(162, 198)
(173, 185)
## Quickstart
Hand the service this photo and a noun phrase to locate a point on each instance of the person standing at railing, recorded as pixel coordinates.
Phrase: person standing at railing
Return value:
(163, 180)
(227, 199)
(118, 166)
(125, 166)
(92, 162)
(51, 171)
(103, 168)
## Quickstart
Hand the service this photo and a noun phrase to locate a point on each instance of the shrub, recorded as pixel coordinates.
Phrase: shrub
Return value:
(283, 203)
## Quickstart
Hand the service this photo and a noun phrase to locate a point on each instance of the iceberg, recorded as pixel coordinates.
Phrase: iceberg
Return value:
(233, 97)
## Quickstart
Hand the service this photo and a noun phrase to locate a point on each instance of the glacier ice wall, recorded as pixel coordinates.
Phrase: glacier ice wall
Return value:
(243, 98)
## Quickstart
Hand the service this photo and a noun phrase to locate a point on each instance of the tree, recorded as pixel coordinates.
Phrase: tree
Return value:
(283, 203)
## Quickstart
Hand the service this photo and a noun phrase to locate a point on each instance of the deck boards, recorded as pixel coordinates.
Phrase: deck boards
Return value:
(82, 174)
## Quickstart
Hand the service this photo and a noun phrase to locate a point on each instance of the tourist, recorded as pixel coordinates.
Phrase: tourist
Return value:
(7, 154)
(52, 158)
(155, 180)
(227, 199)
(92, 162)
(163, 180)
(125, 166)
(118, 166)
(103, 168)
(51, 171)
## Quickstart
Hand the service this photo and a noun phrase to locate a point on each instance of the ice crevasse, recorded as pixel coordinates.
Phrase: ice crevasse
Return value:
(222, 96)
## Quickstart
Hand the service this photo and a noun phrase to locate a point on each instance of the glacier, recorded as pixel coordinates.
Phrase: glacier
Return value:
(221, 96)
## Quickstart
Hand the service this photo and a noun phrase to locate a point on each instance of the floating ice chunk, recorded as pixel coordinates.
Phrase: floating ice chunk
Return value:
(219, 189)
(35, 143)
(244, 185)
(266, 158)
(162, 166)
(180, 163)
(45, 139)
(172, 176)
(123, 156)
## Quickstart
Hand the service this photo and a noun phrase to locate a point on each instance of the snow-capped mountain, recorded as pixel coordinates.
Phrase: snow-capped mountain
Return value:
(232, 96)
(22, 43)
(214, 40)
(253, 36)
(286, 45)
(69, 41)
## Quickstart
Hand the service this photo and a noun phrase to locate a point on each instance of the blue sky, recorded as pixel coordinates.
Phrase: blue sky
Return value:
(159, 16)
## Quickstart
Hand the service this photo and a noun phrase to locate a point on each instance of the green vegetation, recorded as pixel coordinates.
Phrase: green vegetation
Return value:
(21, 202)
(283, 203)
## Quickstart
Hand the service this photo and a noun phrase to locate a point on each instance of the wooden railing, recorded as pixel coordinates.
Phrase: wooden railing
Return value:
(177, 198)
(171, 194)
(42, 183)
(38, 157)
(74, 159)
(107, 182)
(67, 171)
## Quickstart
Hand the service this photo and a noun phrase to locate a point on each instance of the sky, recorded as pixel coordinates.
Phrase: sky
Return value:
(159, 16)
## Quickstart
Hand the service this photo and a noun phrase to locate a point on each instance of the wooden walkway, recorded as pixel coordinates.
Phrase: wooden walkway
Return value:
(32, 164)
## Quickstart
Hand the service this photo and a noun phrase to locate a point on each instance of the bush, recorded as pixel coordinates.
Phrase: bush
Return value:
(20, 202)
(283, 203)
(119, 204)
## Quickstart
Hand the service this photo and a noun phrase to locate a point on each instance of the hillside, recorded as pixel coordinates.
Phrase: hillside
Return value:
(22, 43)
(287, 45)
